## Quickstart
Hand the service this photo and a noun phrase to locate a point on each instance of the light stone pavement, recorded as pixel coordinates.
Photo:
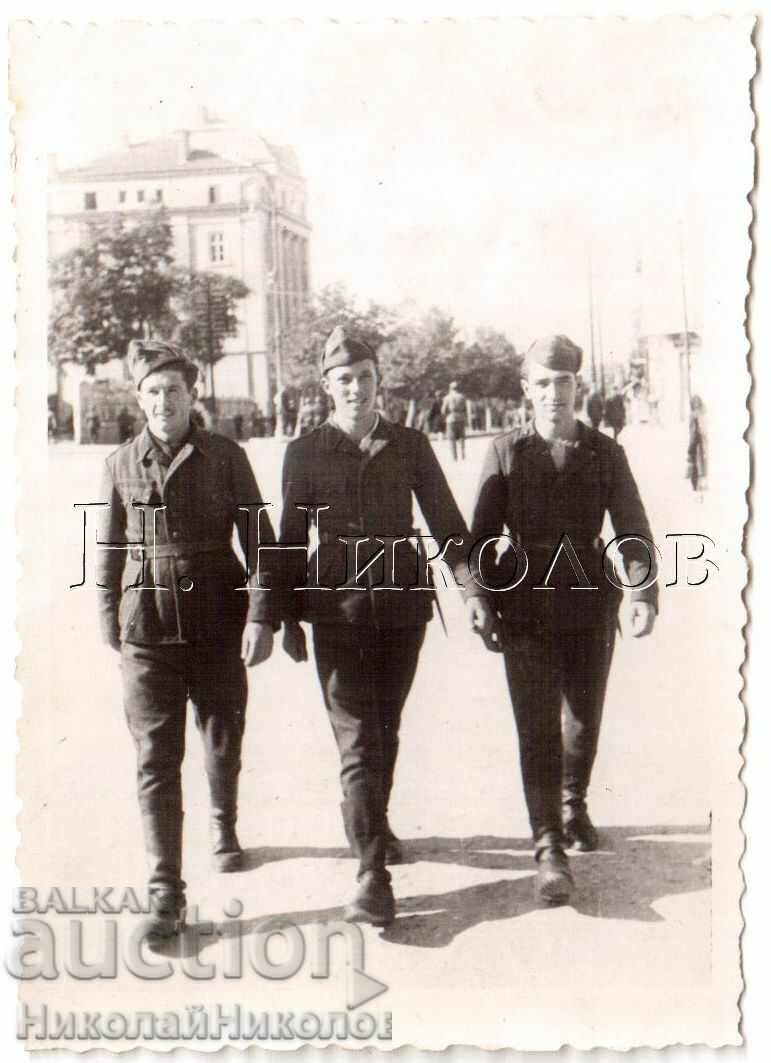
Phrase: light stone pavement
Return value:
(470, 958)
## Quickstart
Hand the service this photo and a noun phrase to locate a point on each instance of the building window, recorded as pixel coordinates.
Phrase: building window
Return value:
(121, 196)
(159, 195)
(141, 195)
(214, 194)
(89, 201)
(216, 247)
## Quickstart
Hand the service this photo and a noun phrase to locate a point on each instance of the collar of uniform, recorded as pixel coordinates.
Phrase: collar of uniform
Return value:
(335, 437)
(531, 437)
(148, 443)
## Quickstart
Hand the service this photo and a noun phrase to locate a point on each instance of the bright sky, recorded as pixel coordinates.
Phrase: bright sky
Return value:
(476, 165)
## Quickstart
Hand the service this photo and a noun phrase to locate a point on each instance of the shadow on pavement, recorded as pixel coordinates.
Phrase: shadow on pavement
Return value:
(634, 868)
(256, 857)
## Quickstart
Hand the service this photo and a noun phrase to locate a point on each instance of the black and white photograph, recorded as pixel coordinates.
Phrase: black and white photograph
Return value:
(382, 556)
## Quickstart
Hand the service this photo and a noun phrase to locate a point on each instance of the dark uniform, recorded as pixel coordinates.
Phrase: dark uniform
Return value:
(558, 643)
(615, 413)
(366, 640)
(454, 410)
(595, 408)
(697, 444)
(179, 622)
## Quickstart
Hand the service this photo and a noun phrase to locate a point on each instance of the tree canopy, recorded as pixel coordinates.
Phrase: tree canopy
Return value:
(206, 305)
(417, 353)
(303, 344)
(122, 284)
(115, 287)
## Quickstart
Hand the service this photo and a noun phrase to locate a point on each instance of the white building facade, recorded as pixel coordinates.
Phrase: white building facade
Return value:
(236, 205)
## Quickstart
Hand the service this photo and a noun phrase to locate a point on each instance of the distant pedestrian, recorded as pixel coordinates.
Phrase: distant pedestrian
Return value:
(319, 410)
(595, 408)
(304, 423)
(286, 412)
(125, 424)
(454, 410)
(238, 426)
(615, 413)
(435, 421)
(697, 445)
(653, 405)
(93, 424)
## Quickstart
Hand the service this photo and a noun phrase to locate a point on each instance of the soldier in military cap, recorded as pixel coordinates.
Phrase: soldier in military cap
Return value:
(367, 638)
(174, 603)
(558, 478)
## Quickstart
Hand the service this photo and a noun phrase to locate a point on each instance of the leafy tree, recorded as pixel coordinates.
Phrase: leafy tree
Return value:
(423, 355)
(115, 287)
(122, 284)
(490, 366)
(418, 354)
(206, 306)
(303, 344)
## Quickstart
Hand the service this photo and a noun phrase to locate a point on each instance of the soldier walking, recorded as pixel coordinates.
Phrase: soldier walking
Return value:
(454, 411)
(558, 478)
(178, 611)
(363, 471)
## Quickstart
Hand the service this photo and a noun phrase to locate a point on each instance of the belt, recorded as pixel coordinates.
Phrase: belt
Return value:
(137, 553)
(329, 538)
(593, 544)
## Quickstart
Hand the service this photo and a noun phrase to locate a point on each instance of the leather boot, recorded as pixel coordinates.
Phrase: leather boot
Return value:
(226, 852)
(167, 914)
(394, 850)
(373, 900)
(580, 833)
(553, 880)
(162, 830)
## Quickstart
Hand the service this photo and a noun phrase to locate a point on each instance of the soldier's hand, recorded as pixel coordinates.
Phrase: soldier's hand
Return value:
(294, 641)
(641, 619)
(256, 643)
(484, 622)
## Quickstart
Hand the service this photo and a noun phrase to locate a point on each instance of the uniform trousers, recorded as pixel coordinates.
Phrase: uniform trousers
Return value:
(366, 675)
(158, 681)
(456, 433)
(557, 683)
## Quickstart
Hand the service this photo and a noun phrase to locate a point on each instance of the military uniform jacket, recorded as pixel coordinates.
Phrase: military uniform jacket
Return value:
(170, 575)
(522, 491)
(454, 406)
(369, 493)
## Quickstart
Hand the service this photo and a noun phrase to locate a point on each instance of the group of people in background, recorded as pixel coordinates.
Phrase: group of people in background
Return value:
(449, 415)
(610, 411)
